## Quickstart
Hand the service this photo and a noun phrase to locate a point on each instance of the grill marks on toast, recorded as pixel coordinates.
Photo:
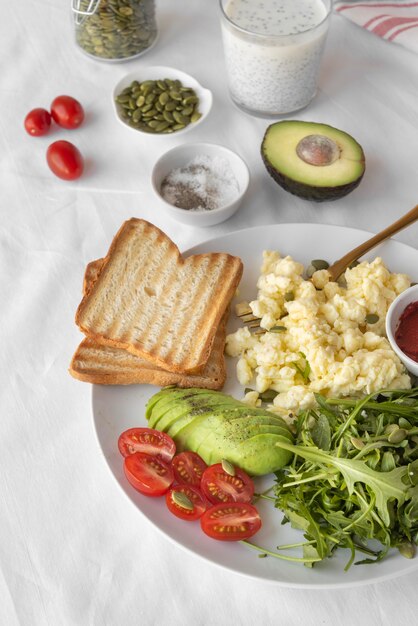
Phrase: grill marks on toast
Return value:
(151, 302)
(100, 364)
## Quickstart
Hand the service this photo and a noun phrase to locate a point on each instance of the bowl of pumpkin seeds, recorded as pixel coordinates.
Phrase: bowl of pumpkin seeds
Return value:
(160, 101)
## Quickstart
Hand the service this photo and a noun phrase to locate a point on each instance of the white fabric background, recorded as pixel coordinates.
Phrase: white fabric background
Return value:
(72, 550)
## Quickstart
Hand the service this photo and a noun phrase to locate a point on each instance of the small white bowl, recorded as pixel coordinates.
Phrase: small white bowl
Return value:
(160, 72)
(182, 155)
(395, 311)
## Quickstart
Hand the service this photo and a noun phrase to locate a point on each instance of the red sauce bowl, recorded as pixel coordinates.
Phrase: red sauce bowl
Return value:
(401, 319)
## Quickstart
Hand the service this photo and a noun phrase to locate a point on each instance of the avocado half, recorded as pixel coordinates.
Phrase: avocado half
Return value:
(313, 161)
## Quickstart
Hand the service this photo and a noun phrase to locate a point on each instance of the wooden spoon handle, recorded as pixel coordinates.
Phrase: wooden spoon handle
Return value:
(337, 268)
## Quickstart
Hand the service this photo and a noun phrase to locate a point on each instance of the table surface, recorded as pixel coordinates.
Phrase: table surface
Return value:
(72, 549)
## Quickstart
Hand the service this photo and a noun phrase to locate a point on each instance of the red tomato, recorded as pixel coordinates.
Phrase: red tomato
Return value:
(188, 468)
(219, 486)
(37, 122)
(231, 521)
(195, 497)
(67, 112)
(148, 441)
(148, 474)
(65, 160)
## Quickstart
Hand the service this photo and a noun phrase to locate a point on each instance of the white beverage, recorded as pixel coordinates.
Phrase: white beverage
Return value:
(273, 50)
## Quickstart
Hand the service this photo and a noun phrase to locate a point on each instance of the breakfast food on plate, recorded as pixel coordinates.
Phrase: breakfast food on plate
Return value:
(321, 336)
(100, 364)
(104, 365)
(217, 426)
(97, 362)
(313, 161)
(150, 301)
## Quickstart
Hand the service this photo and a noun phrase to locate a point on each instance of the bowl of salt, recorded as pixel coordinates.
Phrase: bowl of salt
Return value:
(200, 184)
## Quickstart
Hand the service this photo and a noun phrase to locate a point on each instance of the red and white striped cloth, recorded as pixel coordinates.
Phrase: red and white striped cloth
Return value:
(393, 21)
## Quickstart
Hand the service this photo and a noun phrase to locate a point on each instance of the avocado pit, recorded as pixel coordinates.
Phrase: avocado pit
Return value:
(317, 150)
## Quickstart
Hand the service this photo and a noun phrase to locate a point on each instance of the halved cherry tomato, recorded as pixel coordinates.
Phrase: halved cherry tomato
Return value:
(231, 521)
(148, 474)
(196, 498)
(219, 486)
(67, 112)
(148, 441)
(37, 122)
(65, 160)
(188, 468)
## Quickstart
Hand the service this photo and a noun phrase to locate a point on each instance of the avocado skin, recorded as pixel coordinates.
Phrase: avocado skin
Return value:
(308, 192)
(218, 426)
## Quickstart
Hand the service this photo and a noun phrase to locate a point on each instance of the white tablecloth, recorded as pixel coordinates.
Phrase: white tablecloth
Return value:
(73, 551)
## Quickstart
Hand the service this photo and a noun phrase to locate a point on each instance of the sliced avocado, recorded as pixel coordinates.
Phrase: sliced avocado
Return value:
(217, 426)
(222, 417)
(174, 426)
(181, 401)
(259, 455)
(222, 443)
(163, 417)
(313, 161)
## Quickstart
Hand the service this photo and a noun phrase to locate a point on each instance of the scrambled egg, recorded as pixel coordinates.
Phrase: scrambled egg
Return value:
(321, 336)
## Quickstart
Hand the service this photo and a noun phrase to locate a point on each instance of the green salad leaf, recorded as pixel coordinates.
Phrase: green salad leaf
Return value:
(353, 480)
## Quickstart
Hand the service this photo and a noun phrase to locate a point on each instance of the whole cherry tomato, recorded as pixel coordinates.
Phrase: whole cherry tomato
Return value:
(65, 160)
(67, 112)
(231, 521)
(37, 122)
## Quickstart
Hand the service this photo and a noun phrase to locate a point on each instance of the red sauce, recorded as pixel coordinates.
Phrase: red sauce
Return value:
(406, 335)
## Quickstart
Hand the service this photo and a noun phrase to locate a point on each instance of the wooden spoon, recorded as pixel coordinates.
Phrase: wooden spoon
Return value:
(337, 268)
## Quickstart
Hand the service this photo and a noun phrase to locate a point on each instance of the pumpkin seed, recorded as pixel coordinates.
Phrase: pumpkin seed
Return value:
(277, 329)
(190, 100)
(397, 435)
(168, 116)
(161, 126)
(180, 118)
(320, 264)
(195, 117)
(371, 318)
(163, 98)
(151, 107)
(228, 467)
(182, 500)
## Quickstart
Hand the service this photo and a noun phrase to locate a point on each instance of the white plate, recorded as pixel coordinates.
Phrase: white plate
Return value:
(116, 408)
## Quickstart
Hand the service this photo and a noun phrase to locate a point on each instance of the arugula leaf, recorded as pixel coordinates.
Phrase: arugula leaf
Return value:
(354, 476)
(385, 485)
(321, 433)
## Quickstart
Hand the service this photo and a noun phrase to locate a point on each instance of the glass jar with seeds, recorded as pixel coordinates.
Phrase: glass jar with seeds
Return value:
(114, 30)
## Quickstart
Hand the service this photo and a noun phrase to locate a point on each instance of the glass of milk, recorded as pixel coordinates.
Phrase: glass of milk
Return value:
(273, 51)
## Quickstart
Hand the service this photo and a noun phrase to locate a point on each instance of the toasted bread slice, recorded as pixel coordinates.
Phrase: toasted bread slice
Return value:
(150, 301)
(104, 365)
